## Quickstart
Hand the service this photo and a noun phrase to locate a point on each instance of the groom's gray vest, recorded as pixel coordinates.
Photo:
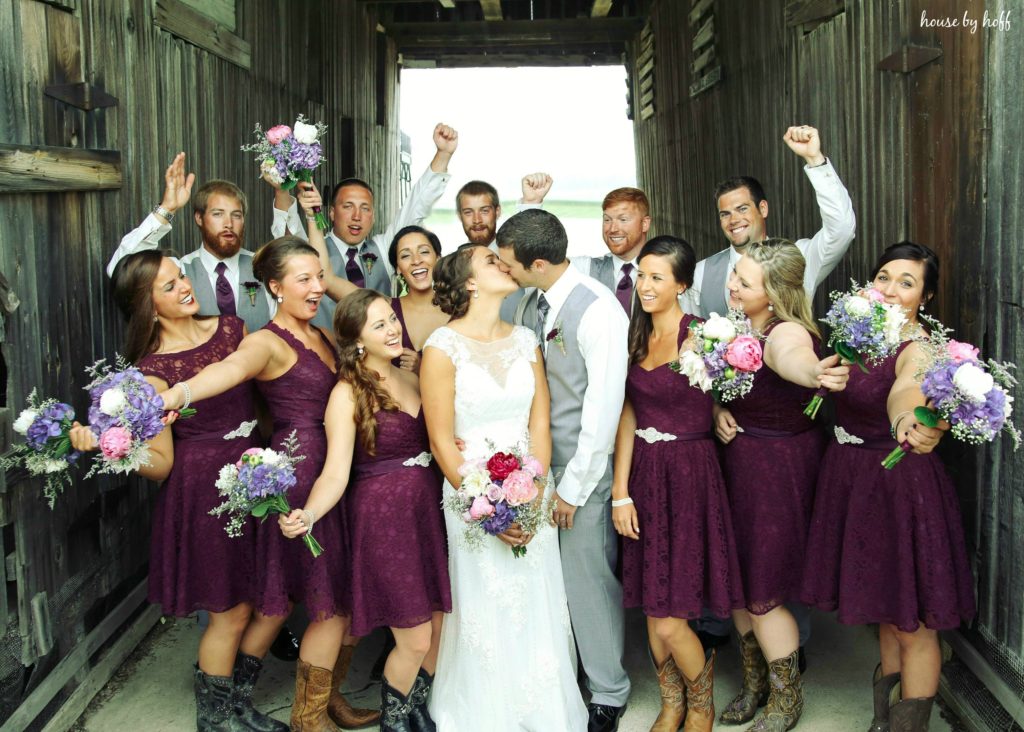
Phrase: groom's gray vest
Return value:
(376, 278)
(712, 287)
(254, 310)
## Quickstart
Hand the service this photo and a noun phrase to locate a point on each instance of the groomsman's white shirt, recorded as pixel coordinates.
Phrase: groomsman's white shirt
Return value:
(148, 235)
(822, 252)
(602, 335)
(428, 189)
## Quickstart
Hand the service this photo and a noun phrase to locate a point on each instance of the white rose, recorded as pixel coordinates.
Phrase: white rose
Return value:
(857, 306)
(25, 420)
(271, 457)
(304, 133)
(112, 402)
(476, 484)
(269, 169)
(691, 365)
(973, 382)
(719, 329)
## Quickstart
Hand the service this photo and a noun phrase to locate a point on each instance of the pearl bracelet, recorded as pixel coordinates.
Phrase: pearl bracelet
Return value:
(308, 518)
(187, 391)
(621, 502)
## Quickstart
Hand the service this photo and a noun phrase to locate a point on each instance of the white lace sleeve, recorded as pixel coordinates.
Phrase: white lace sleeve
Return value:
(526, 340)
(444, 339)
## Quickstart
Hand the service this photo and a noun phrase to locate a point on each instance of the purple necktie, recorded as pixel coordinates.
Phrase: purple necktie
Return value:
(624, 290)
(352, 271)
(225, 295)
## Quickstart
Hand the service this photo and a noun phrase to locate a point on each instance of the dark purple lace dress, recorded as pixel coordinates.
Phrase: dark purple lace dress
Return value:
(193, 563)
(396, 529)
(285, 569)
(396, 305)
(885, 546)
(770, 470)
(685, 559)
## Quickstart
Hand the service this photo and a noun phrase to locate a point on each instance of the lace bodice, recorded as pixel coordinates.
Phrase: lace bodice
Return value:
(494, 387)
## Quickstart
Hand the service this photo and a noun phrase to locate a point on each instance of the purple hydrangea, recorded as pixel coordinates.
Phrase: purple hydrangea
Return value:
(304, 157)
(500, 520)
(265, 480)
(53, 421)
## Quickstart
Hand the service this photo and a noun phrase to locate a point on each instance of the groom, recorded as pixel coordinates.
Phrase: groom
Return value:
(582, 331)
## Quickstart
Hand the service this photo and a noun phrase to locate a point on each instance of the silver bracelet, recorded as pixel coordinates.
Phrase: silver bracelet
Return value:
(895, 423)
(621, 502)
(187, 391)
(161, 211)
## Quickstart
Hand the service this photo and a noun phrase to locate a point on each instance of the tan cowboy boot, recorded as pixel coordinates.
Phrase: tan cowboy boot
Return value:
(338, 708)
(911, 715)
(785, 698)
(312, 690)
(754, 693)
(700, 699)
(673, 705)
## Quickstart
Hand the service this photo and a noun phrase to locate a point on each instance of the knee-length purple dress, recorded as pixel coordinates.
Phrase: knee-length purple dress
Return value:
(885, 546)
(770, 469)
(193, 563)
(395, 525)
(396, 305)
(285, 569)
(685, 558)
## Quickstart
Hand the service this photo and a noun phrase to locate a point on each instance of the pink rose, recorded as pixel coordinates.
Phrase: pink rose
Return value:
(874, 295)
(519, 488)
(481, 508)
(961, 352)
(533, 465)
(276, 135)
(744, 353)
(115, 443)
(495, 493)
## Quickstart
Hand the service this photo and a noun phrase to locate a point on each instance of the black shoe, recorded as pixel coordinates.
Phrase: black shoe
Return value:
(711, 640)
(286, 646)
(604, 718)
(802, 662)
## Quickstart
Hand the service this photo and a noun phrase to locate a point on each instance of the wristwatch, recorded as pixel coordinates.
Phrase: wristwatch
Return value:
(161, 211)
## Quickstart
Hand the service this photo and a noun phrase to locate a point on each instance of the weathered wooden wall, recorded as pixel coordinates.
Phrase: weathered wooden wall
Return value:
(323, 58)
(930, 154)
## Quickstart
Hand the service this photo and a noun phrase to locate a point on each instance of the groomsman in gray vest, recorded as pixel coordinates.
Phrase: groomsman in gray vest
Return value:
(742, 213)
(355, 255)
(625, 221)
(479, 209)
(220, 269)
(582, 332)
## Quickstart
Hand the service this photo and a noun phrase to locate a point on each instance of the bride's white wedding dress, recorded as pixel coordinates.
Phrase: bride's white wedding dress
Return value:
(507, 660)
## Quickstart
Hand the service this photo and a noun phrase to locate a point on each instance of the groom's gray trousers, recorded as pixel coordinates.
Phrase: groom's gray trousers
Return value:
(589, 552)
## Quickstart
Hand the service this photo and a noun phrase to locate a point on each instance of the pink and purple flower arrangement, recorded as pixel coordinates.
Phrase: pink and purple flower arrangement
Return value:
(47, 449)
(725, 355)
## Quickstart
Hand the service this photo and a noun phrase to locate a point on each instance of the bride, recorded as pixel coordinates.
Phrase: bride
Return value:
(507, 658)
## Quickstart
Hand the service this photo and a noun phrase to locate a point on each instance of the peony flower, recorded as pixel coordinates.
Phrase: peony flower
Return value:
(532, 464)
(857, 306)
(519, 487)
(719, 329)
(691, 365)
(276, 135)
(973, 382)
(475, 484)
(113, 402)
(25, 420)
(501, 464)
(304, 133)
(744, 352)
(481, 508)
(269, 169)
(115, 443)
(961, 352)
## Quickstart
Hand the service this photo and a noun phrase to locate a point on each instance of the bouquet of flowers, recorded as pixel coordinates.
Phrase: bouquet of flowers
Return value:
(124, 414)
(973, 396)
(726, 354)
(47, 449)
(288, 155)
(256, 486)
(496, 493)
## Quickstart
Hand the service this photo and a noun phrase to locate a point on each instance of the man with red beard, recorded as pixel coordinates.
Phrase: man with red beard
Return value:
(220, 269)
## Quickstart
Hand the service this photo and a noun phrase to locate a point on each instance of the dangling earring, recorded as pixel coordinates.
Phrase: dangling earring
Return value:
(280, 298)
(156, 318)
(771, 308)
(476, 294)
(921, 307)
(359, 350)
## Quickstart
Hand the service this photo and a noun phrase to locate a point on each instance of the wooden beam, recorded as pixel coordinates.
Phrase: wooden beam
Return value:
(447, 3)
(601, 8)
(514, 32)
(909, 58)
(82, 95)
(178, 18)
(51, 169)
(799, 12)
(492, 9)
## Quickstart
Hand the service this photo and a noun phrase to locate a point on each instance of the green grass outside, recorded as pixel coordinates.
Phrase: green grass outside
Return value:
(567, 209)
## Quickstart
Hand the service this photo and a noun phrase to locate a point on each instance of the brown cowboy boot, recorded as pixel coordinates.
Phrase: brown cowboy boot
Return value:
(754, 693)
(338, 708)
(911, 715)
(785, 698)
(700, 699)
(883, 686)
(312, 690)
(673, 703)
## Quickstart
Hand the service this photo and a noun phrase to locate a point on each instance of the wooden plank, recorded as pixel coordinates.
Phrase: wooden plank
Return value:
(700, 8)
(702, 60)
(492, 9)
(181, 20)
(706, 82)
(647, 112)
(600, 8)
(647, 98)
(646, 83)
(705, 35)
(480, 33)
(799, 12)
(909, 58)
(84, 96)
(646, 69)
(47, 169)
(221, 12)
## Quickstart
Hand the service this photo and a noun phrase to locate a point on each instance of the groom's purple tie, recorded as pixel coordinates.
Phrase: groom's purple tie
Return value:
(225, 295)
(624, 290)
(352, 271)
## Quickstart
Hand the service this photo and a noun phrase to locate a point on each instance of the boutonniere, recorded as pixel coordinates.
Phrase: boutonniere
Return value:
(251, 289)
(555, 336)
(368, 259)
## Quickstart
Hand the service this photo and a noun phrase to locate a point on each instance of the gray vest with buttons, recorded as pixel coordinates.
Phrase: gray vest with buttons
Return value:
(253, 309)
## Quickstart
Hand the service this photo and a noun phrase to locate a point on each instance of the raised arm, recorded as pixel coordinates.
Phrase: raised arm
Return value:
(337, 287)
(437, 389)
(789, 352)
(254, 355)
(904, 396)
(535, 188)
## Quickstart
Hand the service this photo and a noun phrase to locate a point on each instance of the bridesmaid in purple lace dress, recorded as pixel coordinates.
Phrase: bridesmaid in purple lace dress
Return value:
(413, 253)
(379, 459)
(193, 563)
(770, 464)
(887, 546)
(668, 496)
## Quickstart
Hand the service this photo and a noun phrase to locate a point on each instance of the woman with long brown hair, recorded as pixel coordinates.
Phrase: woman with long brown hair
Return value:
(378, 458)
(413, 253)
